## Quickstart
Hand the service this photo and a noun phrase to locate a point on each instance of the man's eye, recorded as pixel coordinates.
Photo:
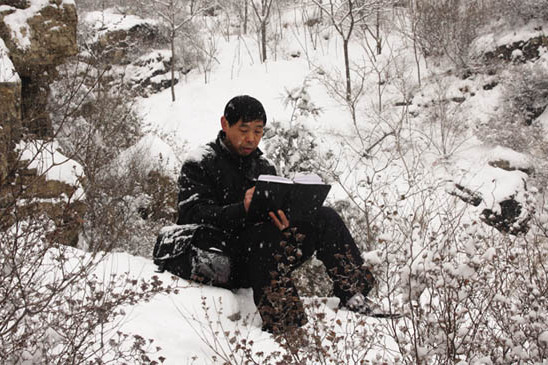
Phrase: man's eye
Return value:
(259, 132)
(244, 130)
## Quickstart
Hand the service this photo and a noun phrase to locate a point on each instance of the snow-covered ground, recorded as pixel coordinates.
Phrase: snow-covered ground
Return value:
(198, 323)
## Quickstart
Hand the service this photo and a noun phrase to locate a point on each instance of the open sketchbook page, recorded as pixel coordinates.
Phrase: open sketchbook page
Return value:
(299, 179)
(274, 178)
(308, 179)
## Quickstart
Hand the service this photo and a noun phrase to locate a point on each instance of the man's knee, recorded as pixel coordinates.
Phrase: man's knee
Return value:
(328, 215)
(259, 237)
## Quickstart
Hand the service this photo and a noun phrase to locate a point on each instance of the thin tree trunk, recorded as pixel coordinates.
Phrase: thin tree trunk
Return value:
(379, 91)
(347, 70)
(263, 40)
(417, 59)
(173, 66)
(378, 37)
(245, 16)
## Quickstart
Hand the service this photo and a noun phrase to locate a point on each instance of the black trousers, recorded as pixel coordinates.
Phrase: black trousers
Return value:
(264, 257)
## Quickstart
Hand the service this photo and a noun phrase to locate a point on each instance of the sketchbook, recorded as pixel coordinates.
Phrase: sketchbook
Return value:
(299, 198)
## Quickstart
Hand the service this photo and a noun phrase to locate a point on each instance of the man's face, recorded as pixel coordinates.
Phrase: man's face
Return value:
(243, 138)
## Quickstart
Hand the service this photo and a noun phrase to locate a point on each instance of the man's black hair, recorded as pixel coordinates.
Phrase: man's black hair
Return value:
(246, 108)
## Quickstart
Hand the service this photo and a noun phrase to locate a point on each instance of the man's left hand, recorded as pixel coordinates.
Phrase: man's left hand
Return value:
(279, 220)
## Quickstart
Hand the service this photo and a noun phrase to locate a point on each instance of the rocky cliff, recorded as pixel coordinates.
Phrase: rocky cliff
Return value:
(10, 110)
(38, 35)
(35, 37)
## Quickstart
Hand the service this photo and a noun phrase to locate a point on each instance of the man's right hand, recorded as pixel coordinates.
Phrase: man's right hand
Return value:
(247, 198)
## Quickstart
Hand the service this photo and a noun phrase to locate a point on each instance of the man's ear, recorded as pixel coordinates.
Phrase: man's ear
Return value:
(224, 123)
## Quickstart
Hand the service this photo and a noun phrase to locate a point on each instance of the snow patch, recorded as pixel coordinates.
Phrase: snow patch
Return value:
(371, 258)
(149, 65)
(198, 154)
(543, 337)
(7, 70)
(47, 159)
(517, 160)
(543, 121)
(151, 152)
(109, 20)
(490, 254)
(492, 183)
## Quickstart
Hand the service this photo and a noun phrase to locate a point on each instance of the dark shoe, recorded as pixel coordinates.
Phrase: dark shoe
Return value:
(359, 303)
(363, 305)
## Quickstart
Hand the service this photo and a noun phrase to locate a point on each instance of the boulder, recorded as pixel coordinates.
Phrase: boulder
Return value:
(41, 36)
(509, 166)
(46, 188)
(520, 51)
(119, 39)
(510, 216)
(466, 195)
(500, 191)
(509, 219)
(151, 73)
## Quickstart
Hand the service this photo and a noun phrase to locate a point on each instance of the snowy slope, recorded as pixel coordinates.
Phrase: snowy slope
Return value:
(196, 325)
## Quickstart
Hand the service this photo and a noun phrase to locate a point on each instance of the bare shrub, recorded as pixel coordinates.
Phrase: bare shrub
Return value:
(127, 207)
(449, 274)
(517, 11)
(445, 128)
(331, 337)
(448, 27)
(56, 305)
(526, 94)
(128, 198)
(525, 98)
(294, 148)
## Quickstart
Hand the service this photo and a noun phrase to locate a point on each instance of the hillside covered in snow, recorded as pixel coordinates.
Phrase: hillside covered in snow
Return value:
(429, 119)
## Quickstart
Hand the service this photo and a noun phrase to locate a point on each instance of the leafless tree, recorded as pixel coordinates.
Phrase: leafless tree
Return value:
(262, 10)
(176, 14)
(345, 16)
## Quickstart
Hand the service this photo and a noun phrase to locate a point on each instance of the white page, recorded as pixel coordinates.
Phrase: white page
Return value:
(308, 179)
(274, 178)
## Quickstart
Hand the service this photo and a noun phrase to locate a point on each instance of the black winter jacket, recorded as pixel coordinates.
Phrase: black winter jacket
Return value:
(212, 186)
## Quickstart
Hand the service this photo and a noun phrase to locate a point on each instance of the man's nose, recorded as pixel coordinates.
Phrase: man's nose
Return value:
(250, 137)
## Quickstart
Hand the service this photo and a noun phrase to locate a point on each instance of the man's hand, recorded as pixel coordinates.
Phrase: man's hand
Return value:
(279, 221)
(247, 198)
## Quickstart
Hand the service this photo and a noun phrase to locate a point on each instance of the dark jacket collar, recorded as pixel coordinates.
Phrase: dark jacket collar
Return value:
(224, 149)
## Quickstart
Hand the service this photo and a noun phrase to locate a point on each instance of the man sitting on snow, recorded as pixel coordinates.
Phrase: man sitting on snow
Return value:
(213, 243)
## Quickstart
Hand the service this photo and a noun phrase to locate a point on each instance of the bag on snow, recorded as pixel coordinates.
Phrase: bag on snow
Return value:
(194, 252)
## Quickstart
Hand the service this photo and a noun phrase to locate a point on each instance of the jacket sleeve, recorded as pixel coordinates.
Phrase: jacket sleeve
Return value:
(197, 200)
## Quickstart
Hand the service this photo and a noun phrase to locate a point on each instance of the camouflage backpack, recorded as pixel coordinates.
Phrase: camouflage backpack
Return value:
(194, 252)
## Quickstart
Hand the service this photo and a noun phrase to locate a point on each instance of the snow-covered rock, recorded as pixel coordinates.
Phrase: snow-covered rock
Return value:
(118, 38)
(39, 34)
(151, 73)
(496, 181)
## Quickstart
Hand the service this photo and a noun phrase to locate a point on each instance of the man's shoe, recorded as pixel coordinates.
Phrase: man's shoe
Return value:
(359, 303)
